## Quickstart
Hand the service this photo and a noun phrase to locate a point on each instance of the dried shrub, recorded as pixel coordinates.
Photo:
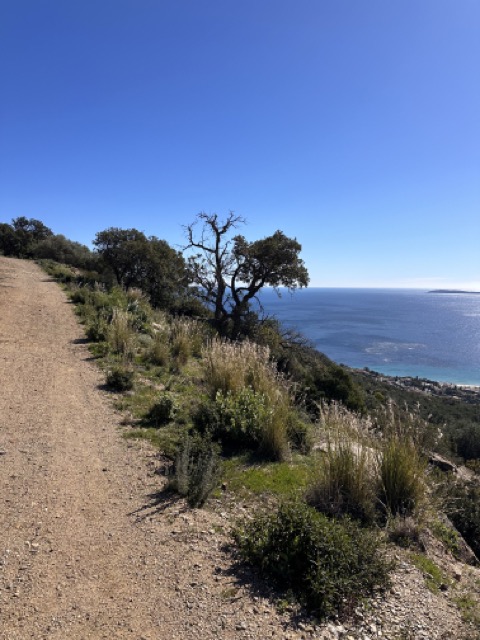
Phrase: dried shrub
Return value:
(120, 334)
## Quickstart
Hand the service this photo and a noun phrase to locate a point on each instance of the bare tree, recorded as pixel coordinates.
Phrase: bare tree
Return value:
(230, 271)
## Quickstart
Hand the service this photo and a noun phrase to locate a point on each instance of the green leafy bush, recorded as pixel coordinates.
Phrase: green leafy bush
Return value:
(245, 420)
(163, 411)
(328, 565)
(79, 295)
(196, 469)
(120, 378)
(242, 417)
(96, 329)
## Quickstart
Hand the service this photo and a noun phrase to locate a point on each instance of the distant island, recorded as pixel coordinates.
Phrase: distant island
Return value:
(454, 291)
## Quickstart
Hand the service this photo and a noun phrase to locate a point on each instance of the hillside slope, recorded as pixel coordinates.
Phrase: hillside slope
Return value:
(90, 547)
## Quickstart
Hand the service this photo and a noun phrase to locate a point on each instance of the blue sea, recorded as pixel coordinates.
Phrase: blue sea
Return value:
(398, 332)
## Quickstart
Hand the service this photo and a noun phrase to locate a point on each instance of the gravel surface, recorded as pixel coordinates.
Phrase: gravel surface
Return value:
(90, 547)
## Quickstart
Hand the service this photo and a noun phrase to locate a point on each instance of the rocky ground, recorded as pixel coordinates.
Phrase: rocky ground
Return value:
(90, 544)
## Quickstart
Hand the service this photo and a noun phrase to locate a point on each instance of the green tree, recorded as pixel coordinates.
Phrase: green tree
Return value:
(21, 237)
(10, 244)
(61, 249)
(123, 251)
(230, 271)
(150, 264)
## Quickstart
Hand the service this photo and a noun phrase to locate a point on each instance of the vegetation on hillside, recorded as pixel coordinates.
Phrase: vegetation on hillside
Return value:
(230, 398)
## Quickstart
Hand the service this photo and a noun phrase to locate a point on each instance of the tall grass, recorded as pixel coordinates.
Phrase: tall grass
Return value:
(363, 476)
(401, 477)
(120, 335)
(231, 366)
(345, 480)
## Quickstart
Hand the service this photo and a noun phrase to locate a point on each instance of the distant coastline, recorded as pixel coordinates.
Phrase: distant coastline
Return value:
(454, 291)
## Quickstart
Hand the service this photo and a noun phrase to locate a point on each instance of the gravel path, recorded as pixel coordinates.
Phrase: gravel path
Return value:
(89, 545)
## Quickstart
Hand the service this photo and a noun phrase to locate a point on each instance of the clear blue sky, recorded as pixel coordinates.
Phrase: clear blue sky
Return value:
(352, 125)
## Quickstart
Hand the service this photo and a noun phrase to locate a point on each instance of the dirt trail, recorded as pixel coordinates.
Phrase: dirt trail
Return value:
(75, 560)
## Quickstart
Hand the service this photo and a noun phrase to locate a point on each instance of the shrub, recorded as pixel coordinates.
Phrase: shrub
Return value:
(158, 353)
(404, 532)
(468, 442)
(328, 565)
(60, 272)
(79, 295)
(97, 329)
(299, 433)
(253, 399)
(448, 536)
(462, 506)
(120, 378)
(344, 483)
(401, 483)
(242, 417)
(139, 309)
(245, 420)
(163, 411)
(197, 469)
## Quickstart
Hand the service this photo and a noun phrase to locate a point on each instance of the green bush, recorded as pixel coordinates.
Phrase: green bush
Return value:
(163, 411)
(79, 296)
(96, 329)
(245, 421)
(242, 417)
(448, 536)
(329, 566)
(120, 379)
(196, 469)
(463, 508)
(467, 442)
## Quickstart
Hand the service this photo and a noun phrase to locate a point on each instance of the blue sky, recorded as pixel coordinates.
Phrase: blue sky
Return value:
(351, 125)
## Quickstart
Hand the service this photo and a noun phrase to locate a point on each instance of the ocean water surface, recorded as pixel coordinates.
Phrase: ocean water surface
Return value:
(399, 332)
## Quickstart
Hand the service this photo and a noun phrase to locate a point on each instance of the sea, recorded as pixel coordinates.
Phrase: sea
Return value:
(397, 332)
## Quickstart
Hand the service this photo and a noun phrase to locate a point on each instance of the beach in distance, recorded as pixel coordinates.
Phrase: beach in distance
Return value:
(397, 332)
